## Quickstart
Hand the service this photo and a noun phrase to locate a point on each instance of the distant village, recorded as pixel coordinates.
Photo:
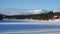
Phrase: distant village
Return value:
(43, 16)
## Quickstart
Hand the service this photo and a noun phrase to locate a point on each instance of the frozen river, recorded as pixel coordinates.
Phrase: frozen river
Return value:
(29, 27)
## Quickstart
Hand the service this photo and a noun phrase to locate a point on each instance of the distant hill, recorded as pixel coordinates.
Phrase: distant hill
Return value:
(42, 16)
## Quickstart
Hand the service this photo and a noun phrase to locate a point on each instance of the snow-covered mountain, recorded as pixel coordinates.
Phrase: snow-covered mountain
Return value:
(35, 11)
(21, 12)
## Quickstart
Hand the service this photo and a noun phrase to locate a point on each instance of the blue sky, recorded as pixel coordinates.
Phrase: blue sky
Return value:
(30, 4)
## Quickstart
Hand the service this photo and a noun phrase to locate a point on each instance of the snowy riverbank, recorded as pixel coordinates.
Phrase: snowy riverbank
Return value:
(31, 21)
(25, 26)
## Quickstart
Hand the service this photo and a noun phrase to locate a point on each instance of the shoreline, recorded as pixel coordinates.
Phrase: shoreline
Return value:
(31, 21)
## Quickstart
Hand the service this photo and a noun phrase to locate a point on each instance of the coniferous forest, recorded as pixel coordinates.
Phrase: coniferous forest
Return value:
(42, 16)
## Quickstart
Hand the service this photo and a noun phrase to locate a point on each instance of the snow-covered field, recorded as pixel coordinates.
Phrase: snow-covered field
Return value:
(33, 31)
(30, 21)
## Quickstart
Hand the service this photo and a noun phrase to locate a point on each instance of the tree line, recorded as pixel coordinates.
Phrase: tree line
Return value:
(42, 16)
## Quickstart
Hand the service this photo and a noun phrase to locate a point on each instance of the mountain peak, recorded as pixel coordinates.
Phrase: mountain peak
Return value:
(22, 12)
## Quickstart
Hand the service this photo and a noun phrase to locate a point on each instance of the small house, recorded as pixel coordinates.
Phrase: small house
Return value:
(56, 17)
